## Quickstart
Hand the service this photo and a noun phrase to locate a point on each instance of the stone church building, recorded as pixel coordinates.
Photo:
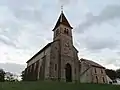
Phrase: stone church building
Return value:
(58, 60)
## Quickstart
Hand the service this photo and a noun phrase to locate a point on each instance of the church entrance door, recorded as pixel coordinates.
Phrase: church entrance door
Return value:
(68, 73)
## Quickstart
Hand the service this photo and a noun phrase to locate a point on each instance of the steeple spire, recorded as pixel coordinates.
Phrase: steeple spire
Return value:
(62, 20)
(61, 13)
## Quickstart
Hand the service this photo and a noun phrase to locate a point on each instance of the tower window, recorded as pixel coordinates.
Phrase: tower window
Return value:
(66, 31)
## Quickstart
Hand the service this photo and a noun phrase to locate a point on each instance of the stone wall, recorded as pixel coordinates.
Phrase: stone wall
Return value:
(38, 67)
(92, 74)
(54, 61)
(99, 75)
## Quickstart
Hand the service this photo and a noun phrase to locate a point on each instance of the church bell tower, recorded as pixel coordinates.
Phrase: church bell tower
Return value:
(62, 28)
(68, 54)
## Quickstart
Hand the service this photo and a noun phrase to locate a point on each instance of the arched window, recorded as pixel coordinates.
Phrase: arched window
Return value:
(75, 70)
(55, 67)
(101, 71)
(66, 31)
(96, 79)
(95, 70)
(103, 80)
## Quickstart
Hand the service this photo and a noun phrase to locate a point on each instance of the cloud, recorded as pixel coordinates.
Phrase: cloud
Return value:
(29, 14)
(24, 9)
(18, 19)
(12, 67)
(15, 4)
(101, 37)
(67, 2)
(7, 41)
(95, 43)
(112, 63)
(118, 52)
(110, 12)
(22, 30)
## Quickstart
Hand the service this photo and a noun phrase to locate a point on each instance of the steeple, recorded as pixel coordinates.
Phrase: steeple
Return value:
(62, 20)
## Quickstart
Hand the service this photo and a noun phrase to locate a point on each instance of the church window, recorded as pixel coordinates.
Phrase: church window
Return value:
(50, 63)
(95, 70)
(96, 79)
(101, 71)
(79, 67)
(34, 65)
(65, 30)
(103, 79)
(55, 67)
(30, 68)
(75, 70)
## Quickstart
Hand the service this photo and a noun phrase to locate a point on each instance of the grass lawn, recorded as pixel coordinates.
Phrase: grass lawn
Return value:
(54, 86)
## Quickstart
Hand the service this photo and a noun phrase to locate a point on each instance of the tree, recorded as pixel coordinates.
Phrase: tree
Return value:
(118, 73)
(2, 75)
(111, 73)
(23, 75)
(9, 76)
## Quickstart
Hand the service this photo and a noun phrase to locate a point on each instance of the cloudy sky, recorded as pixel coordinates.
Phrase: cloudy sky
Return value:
(26, 26)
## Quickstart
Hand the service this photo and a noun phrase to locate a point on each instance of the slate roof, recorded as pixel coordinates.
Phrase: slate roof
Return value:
(94, 64)
(62, 20)
(49, 44)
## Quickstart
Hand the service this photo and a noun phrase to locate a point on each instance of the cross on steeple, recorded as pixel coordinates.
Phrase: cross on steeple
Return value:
(61, 12)
(62, 20)
(62, 8)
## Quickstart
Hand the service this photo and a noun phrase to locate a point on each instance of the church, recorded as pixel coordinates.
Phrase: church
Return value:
(58, 60)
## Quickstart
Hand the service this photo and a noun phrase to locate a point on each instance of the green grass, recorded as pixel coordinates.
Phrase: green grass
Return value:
(54, 86)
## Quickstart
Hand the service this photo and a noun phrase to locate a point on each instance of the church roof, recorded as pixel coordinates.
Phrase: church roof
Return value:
(40, 51)
(92, 63)
(48, 45)
(62, 20)
(75, 49)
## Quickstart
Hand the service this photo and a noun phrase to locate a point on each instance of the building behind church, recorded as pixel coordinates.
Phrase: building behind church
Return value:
(58, 60)
(92, 72)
